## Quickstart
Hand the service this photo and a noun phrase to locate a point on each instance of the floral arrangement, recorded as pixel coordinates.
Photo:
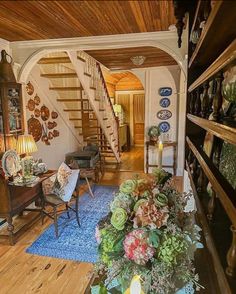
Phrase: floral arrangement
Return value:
(154, 133)
(149, 234)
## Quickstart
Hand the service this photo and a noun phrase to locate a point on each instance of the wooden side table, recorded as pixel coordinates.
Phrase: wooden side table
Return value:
(165, 145)
(15, 199)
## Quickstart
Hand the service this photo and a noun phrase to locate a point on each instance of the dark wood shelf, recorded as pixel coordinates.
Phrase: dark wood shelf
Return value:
(217, 34)
(222, 131)
(221, 279)
(222, 61)
(199, 4)
(223, 189)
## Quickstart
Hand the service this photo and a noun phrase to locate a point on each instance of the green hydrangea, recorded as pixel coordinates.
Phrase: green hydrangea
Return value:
(110, 244)
(128, 186)
(161, 200)
(171, 248)
(122, 200)
(119, 218)
(138, 203)
(161, 176)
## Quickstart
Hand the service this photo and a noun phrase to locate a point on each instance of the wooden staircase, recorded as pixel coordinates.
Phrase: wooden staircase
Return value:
(94, 122)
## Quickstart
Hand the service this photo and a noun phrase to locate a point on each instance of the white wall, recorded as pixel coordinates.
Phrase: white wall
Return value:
(153, 79)
(67, 141)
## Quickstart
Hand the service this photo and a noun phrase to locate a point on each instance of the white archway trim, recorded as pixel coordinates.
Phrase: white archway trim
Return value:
(27, 53)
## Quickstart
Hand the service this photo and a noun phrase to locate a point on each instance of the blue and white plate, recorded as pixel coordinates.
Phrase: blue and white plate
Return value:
(164, 127)
(165, 91)
(164, 102)
(164, 114)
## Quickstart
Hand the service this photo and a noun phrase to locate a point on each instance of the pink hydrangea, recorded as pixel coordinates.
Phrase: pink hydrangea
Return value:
(137, 248)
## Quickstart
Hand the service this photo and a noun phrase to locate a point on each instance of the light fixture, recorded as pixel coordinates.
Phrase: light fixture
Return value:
(26, 145)
(117, 108)
(138, 60)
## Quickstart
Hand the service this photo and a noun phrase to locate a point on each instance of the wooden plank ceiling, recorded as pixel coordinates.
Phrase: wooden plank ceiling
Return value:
(119, 59)
(32, 20)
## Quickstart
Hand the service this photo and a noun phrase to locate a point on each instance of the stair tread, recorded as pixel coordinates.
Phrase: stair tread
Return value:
(66, 88)
(59, 75)
(81, 59)
(52, 60)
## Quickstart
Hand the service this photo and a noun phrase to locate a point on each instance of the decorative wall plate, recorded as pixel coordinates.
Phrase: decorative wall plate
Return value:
(31, 105)
(165, 91)
(35, 128)
(37, 100)
(54, 115)
(37, 112)
(11, 163)
(29, 88)
(45, 113)
(55, 133)
(164, 126)
(164, 114)
(165, 102)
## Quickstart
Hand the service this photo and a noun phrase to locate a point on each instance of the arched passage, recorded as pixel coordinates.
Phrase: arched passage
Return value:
(28, 53)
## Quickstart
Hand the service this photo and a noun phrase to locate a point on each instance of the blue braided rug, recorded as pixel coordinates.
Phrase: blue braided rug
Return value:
(76, 243)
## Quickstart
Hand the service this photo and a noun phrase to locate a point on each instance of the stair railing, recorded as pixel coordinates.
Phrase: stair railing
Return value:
(92, 69)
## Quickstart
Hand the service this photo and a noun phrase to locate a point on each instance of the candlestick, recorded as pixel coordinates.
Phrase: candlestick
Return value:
(160, 150)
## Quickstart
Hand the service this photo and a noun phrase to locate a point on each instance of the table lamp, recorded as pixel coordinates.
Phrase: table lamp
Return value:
(26, 146)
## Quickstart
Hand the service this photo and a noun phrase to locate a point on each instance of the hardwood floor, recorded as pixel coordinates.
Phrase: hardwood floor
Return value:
(23, 273)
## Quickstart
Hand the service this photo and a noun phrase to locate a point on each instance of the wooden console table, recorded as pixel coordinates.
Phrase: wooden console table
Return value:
(165, 145)
(15, 199)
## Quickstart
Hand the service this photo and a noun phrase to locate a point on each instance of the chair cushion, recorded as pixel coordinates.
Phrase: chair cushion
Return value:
(65, 182)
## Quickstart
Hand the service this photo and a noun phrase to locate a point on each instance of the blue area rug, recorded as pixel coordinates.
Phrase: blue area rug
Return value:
(76, 243)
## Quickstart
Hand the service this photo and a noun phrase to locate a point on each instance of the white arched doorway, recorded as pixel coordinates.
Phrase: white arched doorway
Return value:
(26, 54)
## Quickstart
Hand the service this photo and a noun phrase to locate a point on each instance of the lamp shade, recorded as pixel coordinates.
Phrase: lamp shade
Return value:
(117, 108)
(26, 145)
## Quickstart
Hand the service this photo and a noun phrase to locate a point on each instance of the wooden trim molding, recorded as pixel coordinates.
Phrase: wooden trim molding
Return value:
(223, 132)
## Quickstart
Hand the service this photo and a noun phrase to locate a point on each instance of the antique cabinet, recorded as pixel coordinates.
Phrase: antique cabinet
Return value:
(210, 126)
(11, 110)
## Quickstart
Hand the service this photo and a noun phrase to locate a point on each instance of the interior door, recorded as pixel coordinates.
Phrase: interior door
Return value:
(139, 114)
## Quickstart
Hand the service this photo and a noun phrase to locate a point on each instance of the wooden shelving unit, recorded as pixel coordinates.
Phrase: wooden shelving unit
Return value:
(223, 132)
(223, 189)
(218, 33)
(209, 242)
(214, 53)
(221, 62)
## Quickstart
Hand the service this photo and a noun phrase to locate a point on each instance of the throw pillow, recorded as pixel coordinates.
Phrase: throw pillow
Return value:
(65, 182)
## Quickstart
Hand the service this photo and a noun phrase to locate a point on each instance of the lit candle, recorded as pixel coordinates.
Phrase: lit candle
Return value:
(135, 286)
(160, 150)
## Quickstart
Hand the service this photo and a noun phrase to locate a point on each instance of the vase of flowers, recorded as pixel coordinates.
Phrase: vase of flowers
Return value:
(147, 234)
(154, 133)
